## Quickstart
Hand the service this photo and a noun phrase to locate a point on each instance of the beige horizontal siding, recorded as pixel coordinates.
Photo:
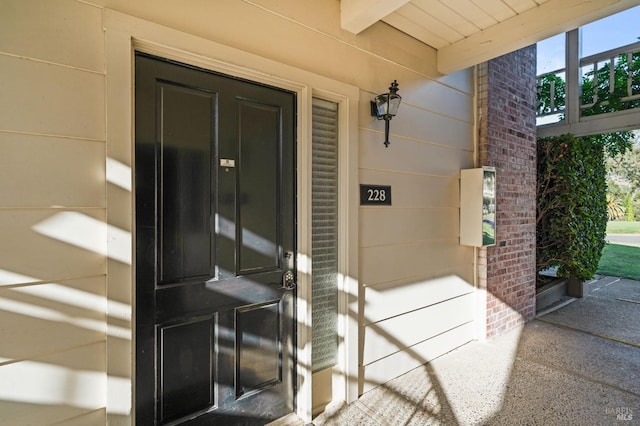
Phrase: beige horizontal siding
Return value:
(418, 281)
(64, 32)
(51, 317)
(403, 225)
(389, 300)
(416, 124)
(412, 260)
(53, 388)
(52, 213)
(48, 245)
(426, 97)
(396, 334)
(292, 36)
(387, 368)
(42, 98)
(412, 190)
(40, 171)
(410, 156)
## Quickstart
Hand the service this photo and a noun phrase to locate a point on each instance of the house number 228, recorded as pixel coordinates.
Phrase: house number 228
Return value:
(379, 195)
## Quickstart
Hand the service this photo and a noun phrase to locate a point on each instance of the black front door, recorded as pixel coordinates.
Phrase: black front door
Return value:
(215, 241)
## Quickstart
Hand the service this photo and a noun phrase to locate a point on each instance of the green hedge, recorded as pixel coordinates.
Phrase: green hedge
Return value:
(571, 205)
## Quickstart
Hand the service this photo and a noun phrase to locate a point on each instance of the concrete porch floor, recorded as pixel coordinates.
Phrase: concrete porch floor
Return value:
(577, 365)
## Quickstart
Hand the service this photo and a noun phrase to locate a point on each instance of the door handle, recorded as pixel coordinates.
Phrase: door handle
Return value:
(288, 280)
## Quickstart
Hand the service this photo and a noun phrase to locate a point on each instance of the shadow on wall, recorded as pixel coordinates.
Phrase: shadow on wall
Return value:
(54, 333)
(434, 392)
(69, 322)
(53, 314)
(52, 358)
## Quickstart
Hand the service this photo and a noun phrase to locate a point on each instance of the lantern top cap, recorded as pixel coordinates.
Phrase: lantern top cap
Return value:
(393, 89)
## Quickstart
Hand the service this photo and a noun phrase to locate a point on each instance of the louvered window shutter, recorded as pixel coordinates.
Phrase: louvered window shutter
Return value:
(324, 238)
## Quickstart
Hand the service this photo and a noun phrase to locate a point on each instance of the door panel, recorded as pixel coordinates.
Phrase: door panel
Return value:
(186, 241)
(187, 376)
(258, 187)
(215, 233)
(259, 348)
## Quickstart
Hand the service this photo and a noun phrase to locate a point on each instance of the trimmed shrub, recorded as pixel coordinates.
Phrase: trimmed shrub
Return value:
(571, 212)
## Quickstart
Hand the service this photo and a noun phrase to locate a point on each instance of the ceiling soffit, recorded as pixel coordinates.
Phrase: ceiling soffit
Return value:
(468, 32)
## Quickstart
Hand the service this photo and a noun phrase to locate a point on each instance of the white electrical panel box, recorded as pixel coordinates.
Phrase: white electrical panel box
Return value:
(478, 207)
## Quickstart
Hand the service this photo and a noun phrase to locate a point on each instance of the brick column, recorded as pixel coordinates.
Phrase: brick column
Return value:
(507, 141)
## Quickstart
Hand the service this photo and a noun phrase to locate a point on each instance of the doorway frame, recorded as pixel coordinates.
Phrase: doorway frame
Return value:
(125, 35)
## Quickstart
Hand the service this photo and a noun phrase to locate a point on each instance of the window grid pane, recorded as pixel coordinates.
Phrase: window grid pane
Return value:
(324, 234)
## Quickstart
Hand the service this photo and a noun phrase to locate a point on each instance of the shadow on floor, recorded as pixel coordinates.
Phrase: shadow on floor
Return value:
(577, 365)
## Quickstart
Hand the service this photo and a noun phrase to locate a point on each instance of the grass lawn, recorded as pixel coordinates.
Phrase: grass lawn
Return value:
(623, 227)
(620, 261)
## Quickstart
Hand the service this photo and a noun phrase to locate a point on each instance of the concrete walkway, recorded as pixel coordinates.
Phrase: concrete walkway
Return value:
(577, 365)
(625, 239)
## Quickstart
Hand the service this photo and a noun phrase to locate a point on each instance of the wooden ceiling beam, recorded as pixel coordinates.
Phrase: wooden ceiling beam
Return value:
(358, 15)
(546, 20)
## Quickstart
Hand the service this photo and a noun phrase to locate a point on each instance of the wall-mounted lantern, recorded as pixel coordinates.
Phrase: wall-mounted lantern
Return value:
(385, 107)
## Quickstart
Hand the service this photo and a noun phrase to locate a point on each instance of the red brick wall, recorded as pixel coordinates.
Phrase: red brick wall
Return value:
(507, 141)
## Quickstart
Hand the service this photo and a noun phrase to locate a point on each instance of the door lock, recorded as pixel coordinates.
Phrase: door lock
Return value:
(288, 281)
